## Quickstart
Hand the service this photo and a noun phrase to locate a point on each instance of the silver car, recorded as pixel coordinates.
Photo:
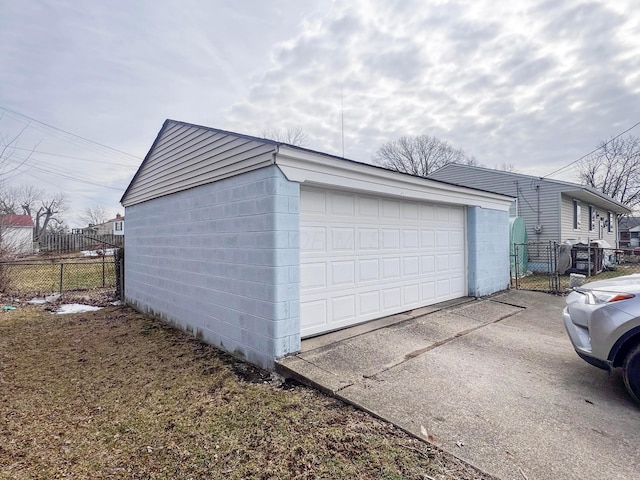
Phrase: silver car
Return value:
(603, 322)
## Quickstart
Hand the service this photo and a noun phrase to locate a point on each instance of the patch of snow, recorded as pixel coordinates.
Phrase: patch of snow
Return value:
(76, 308)
(49, 298)
(116, 303)
(107, 252)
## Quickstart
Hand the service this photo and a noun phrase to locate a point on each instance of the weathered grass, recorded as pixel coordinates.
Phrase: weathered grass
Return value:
(114, 394)
(33, 277)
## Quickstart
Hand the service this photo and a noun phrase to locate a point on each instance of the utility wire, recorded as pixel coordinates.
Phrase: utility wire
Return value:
(77, 158)
(68, 133)
(54, 172)
(592, 151)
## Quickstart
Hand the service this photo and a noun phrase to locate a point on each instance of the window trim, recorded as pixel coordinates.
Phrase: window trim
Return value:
(592, 218)
(577, 212)
(610, 222)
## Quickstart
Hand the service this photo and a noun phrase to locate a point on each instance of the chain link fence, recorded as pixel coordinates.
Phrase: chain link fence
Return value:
(59, 275)
(549, 266)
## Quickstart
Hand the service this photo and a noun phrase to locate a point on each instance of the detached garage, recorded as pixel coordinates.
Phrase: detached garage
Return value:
(253, 245)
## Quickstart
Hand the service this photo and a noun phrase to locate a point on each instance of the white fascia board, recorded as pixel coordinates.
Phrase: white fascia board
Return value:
(320, 170)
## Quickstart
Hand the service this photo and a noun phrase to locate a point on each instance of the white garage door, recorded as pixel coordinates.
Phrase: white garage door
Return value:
(364, 257)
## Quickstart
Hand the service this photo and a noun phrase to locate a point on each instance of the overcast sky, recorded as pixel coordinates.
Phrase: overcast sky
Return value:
(535, 84)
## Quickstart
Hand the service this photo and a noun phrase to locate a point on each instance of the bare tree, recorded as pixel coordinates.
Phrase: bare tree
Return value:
(46, 212)
(614, 169)
(419, 155)
(12, 198)
(44, 209)
(94, 215)
(292, 135)
(8, 161)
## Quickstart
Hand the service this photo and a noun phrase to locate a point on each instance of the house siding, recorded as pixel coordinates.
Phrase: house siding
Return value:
(569, 233)
(538, 201)
(16, 240)
(488, 251)
(186, 156)
(225, 267)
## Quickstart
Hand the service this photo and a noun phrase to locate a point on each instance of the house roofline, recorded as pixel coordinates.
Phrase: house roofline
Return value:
(575, 186)
(305, 153)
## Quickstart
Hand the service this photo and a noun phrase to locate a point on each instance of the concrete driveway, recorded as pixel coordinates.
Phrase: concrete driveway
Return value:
(493, 381)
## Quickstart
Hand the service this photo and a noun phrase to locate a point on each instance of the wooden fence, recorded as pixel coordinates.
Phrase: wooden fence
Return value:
(74, 242)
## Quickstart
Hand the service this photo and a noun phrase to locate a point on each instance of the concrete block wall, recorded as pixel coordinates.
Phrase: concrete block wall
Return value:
(487, 251)
(221, 261)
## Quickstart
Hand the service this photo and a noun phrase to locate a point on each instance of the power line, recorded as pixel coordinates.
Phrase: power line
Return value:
(592, 151)
(77, 158)
(67, 133)
(63, 175)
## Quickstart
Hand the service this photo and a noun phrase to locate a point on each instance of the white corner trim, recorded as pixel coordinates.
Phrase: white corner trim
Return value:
(316, 169)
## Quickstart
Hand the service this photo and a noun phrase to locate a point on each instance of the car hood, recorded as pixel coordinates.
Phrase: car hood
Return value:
(626, 284)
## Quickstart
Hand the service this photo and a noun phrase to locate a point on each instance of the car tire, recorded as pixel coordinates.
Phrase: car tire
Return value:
(631, 372)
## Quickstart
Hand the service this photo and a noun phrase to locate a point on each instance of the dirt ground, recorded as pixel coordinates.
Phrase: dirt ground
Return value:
(115, 394)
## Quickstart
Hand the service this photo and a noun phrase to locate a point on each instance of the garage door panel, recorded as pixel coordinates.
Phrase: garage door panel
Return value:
(344, 308)
(391, 209)
(314, 313)
(411, 266)
(410, 238)
(366, 257)
(428, 264)
(369, 302)
(427, 238)
(313, 275)
(343, 273)
(342, 239)
(313, 202)
(369, 207)
(368, 239)
(390, 268)
(313, 239)
(368, 270)
(411, 295)
(391, 298)
(342, 205)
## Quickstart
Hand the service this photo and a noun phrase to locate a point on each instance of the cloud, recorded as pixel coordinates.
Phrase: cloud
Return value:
(533, 83)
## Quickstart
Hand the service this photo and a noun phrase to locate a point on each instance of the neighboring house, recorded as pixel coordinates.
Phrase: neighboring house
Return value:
(114, 226)
(271, 242)
(16, 235)
(629, 232)
(553, 210)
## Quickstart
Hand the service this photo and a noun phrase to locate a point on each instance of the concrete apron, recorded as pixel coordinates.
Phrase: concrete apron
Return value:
(493, 381)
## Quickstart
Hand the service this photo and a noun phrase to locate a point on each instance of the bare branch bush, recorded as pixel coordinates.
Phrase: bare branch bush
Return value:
(614, 169)
(419, 155)
(292, 135)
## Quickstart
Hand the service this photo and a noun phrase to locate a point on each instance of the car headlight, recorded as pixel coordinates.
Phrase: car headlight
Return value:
(597, 297)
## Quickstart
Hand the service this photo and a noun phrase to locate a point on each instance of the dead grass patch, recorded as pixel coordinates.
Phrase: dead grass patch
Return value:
(114, 394)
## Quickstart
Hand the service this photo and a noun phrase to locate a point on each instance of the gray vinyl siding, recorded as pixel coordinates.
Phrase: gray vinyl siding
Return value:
(552, 209)
(543, 210)
(186, 156)
(569, 233)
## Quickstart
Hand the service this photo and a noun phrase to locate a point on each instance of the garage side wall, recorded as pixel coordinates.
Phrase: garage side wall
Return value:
(488, 251)
(221, 261)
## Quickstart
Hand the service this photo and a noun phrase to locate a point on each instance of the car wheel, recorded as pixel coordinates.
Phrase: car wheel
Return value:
(631, 372)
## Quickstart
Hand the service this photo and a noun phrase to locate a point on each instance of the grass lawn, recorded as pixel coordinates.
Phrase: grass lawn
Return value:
(541, 282)
(114, 394)
(44, 276)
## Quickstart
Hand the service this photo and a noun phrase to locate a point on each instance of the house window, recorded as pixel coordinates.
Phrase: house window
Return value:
(576, 215)
(609, 222)
(592, 218)
(118, 226)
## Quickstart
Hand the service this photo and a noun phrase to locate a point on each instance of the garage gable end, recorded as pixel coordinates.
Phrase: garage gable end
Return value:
(185, 156)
